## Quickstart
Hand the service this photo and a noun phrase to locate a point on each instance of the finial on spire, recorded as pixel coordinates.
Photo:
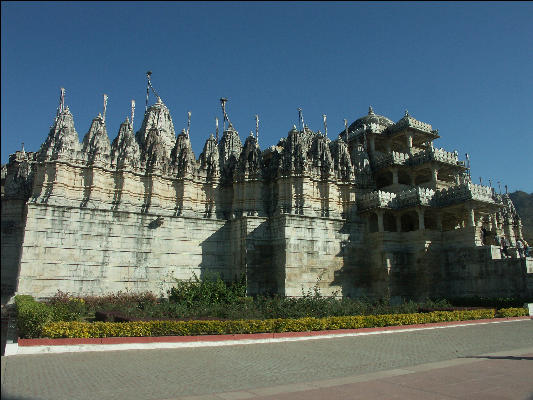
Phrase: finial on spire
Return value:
(22, 150)
(251, 133)
(346, 128)
(105, 106)
(324, 117)
(61, 106)
(188, 122)
(216, 127)
(406, 113)
(257, 128)
(370, 110)
(132, 112)
(148, 87)
(223, 102)
(301, 119)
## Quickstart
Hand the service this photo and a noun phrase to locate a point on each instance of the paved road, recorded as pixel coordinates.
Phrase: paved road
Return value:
(241, 371)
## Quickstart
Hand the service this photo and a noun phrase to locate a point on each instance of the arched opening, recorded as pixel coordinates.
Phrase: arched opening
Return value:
(373, 222)
(451, 221)
(423, 176)
(404, 178)
(389, 222)
(431, 220)
(399, 147)
(409, 221)
(384, 179)
(447, 176)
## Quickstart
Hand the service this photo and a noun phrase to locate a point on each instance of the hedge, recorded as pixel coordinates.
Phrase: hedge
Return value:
(187, 328)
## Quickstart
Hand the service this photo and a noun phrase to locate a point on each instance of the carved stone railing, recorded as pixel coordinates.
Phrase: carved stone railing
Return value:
(414, 197)
(410, 122)
(408, 198)
(376, 199)
(463, 192)
(434, 154)
(381, 160)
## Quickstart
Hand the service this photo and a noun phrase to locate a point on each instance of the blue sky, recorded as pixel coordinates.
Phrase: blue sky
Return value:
(465, 68)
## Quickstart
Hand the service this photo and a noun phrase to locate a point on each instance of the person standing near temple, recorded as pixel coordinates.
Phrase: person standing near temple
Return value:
(520, 248)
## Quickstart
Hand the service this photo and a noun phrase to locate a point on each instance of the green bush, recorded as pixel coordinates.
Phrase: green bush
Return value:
(31, 316)
(512, 312)
(496, 302)
(211, 290)
(185, 328)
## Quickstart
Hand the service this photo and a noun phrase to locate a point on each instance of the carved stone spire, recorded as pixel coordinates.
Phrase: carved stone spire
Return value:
(209, 159)
(321, 156)
(125, 149)
(230, 145)
(249, 164)
(157, 121)
(95, 144)
(62, 140)
(342, 161)
(182, 156)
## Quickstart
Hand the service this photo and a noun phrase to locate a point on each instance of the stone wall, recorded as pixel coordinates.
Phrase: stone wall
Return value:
(88, 251)
(12, 235)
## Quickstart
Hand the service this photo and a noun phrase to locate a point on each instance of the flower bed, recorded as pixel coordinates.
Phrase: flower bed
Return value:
(76, 329)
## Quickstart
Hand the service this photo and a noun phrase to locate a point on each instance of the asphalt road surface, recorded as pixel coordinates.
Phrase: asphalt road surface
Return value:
(318, 368)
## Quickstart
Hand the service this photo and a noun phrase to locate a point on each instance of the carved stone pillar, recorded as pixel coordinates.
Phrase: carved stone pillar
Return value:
(439, 221)
(409, 138)
(398, 222)
(420, 212)
(470, 217)
(434, 174)
(395, 176)
(372, 144)
(381, 226)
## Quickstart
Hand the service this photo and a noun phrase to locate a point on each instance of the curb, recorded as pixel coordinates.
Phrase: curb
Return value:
(62, 345)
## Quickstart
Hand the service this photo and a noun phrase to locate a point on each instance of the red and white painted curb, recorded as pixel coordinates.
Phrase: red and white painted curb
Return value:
(66, 345)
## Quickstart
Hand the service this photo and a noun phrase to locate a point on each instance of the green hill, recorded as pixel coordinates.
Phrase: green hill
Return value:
(523, 203)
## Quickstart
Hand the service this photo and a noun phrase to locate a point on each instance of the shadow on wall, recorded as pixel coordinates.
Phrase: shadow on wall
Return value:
(245, 246)
(378, 268)
(263, 260)
(217, 252)
(357, 277)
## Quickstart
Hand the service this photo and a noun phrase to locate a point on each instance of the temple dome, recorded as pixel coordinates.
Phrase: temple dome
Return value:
(370, 118)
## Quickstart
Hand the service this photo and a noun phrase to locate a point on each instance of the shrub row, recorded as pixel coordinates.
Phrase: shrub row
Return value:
(32, 315)
(186, 328)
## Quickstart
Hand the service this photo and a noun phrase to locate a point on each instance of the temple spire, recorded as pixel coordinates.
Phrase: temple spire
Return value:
(370, 110)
